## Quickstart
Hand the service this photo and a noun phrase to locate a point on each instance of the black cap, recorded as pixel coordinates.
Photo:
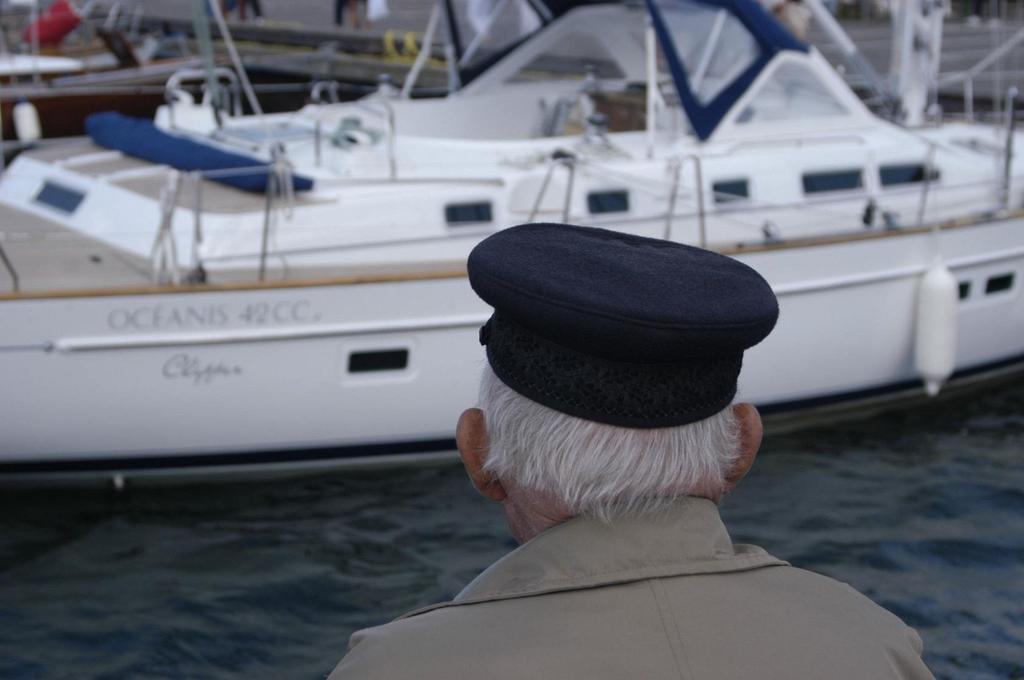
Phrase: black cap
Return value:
(615, 328)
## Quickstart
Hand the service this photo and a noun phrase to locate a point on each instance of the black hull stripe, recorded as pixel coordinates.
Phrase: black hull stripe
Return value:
(881, 391)
(385, 450)
(229, 459)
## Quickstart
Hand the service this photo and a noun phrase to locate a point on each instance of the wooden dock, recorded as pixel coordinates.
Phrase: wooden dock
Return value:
(300, 47)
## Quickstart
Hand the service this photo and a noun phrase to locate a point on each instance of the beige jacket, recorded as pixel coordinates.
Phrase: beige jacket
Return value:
(668, 597)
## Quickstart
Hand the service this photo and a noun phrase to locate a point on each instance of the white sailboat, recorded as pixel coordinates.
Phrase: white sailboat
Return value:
(155, 318)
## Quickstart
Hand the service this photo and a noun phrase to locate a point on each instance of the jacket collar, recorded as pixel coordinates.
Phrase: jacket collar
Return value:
(686, 538)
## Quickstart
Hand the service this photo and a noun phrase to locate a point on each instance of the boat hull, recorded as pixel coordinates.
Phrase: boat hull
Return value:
(353, 372)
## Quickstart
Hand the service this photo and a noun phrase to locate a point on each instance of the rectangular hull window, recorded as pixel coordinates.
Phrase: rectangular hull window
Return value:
(730, 190)
(905, 174)
(838, 180)
(599, 202)
(60, 197)
(378, 360)
(997, 284)
(468, 213)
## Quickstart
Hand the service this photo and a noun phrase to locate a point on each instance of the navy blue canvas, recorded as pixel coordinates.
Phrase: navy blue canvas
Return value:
(771, 37)
(142, 139)
(617, 328)
(556, 8)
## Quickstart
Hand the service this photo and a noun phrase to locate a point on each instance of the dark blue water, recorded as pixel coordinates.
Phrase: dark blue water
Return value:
(923, 511)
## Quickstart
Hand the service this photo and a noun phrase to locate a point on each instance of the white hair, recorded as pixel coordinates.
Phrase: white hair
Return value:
(601, 470)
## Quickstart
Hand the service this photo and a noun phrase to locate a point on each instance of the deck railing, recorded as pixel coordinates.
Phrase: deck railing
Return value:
(968, 76)
(174, 87)
(559, 159)
(1011, 119)
(701, 212)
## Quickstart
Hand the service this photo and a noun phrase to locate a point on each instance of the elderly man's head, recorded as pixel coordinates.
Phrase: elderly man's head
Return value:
(612, 364)
(546, 466)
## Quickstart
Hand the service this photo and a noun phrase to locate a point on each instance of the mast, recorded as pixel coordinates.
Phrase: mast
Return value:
(917, 47)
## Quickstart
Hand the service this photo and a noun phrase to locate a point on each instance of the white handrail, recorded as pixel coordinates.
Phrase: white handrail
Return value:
(174, 83)
(390, 129)
(991, 58)
(676, 167)
(967, 76)
(317, 92)
(564, 160)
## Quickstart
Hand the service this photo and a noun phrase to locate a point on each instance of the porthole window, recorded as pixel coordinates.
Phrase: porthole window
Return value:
(378, 360)
(599, 202)
(998, 284)
(468, 213)
(730, 190)
(835, 180)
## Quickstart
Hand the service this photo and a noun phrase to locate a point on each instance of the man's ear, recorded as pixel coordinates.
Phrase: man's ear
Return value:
(751, 431)
(471, 438)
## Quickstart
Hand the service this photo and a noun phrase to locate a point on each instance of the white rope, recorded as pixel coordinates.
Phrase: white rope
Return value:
(196, 182)
(284, 172)
(164, 254)
(281, 187)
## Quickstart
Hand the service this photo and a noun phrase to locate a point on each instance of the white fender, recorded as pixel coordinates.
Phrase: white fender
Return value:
(936, 327)
(26, 122)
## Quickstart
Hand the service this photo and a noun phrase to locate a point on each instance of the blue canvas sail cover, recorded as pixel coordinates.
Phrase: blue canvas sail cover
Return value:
(141, 138)
(738, 35)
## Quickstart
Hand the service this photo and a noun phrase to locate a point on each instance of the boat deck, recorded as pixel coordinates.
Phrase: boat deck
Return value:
(148, 179)
(42, 255)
